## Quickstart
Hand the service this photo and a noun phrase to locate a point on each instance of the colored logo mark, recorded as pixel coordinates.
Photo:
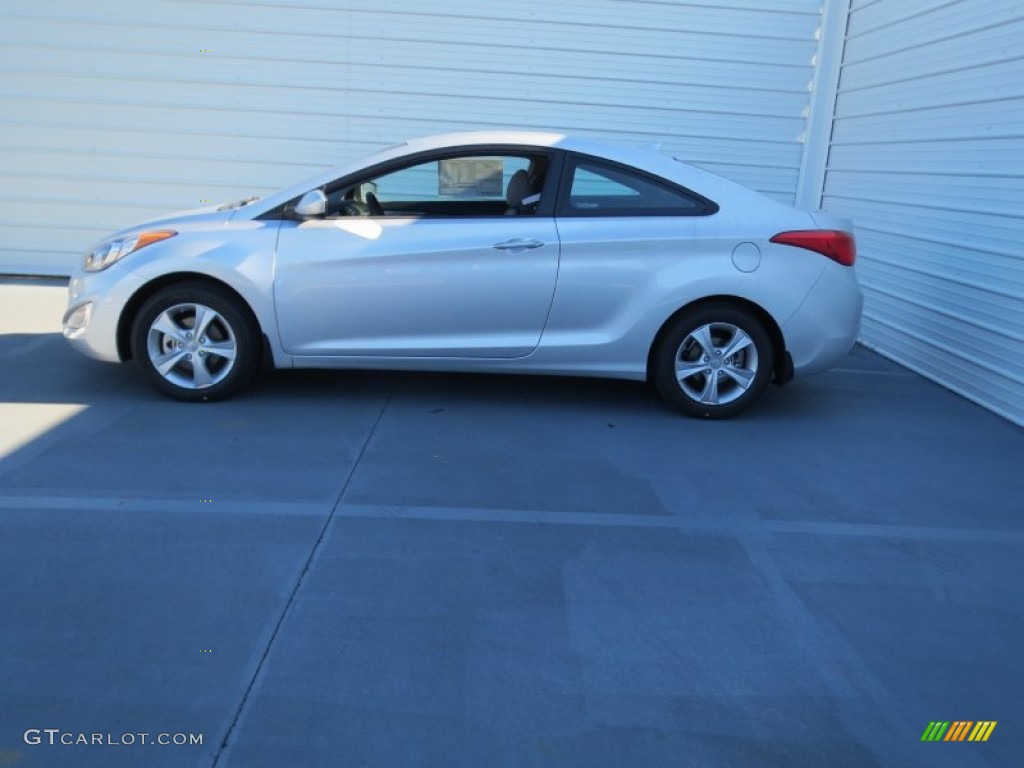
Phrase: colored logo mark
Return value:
(959, 730)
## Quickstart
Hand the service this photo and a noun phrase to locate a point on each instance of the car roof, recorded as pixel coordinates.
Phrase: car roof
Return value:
(514, 138)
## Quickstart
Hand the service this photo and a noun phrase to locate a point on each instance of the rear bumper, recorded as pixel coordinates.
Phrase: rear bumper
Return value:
(826, 325)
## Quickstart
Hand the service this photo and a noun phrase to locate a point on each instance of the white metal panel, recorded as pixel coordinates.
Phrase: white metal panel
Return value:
(927, 155)
(827, 63)
(114, 111)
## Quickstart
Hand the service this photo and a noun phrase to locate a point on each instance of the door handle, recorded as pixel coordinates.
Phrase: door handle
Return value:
(518, 244)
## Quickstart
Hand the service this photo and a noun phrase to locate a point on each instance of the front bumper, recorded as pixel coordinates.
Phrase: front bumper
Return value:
(95, 303)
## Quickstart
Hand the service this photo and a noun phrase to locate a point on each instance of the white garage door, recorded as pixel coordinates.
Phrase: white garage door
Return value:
(928, 156)
(115, 111)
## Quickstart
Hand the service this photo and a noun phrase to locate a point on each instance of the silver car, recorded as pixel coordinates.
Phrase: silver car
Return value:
(506, 252)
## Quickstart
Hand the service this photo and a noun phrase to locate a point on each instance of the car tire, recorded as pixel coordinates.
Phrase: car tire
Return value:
(713, 361)
(191, 366)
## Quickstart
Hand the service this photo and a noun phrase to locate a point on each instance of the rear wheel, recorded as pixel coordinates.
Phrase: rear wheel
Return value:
(714, 361)
(195, 342)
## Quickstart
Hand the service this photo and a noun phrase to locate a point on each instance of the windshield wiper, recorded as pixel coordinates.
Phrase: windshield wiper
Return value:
(239, 204)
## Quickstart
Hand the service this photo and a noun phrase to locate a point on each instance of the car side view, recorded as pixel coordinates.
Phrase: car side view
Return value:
(511, 252)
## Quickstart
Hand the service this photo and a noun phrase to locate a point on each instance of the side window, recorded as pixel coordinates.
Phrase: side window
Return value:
(460, 185)
(598, 189)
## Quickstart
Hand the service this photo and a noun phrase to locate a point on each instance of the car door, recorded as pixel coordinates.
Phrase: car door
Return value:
(623, 233)
(422, 260)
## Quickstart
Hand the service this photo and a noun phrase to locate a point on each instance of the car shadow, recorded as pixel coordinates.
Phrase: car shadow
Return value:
(42, 368)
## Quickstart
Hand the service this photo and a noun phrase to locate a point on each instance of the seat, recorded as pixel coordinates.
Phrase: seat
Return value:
(519, 193)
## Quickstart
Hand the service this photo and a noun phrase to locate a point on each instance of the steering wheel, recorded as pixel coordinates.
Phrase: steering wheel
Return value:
(373, 205)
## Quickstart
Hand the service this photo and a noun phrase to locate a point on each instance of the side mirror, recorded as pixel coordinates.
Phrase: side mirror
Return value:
(313, 203)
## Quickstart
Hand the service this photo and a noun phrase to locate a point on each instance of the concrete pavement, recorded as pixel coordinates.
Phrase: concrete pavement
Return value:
(367, 569)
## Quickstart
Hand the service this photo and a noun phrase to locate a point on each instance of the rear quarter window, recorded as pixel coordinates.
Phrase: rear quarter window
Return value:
(600, 189)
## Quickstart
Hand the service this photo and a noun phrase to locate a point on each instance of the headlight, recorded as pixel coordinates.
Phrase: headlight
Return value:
(104, 255)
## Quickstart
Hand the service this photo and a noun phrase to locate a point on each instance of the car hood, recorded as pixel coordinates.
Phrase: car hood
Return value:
(211, 214)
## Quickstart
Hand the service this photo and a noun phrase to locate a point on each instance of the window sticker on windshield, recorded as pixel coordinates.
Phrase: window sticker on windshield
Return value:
(470, 177)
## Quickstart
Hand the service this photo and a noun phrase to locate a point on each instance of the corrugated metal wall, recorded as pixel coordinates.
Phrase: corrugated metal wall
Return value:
(115, 111)
(927, 155)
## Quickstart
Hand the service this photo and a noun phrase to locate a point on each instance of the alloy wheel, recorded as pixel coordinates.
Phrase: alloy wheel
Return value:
(191, 345)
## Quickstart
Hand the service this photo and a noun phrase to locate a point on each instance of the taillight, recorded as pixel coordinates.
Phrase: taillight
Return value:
(837, 245)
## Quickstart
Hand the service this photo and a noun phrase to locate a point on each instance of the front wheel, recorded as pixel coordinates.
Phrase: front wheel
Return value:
(195, 342)
(713, 361)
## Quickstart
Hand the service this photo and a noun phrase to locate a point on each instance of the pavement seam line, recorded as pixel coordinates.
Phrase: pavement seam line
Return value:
(242, 705)
(729, 526)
